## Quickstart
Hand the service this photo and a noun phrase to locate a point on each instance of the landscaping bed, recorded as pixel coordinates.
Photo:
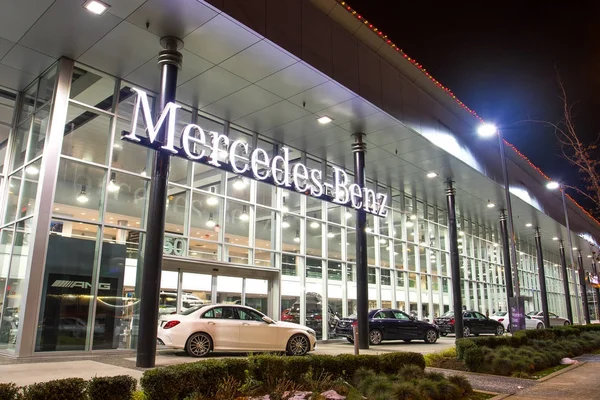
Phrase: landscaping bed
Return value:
(525, 354)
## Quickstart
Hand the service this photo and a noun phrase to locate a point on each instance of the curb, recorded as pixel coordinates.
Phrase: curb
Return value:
(562, 371)
(498, 397)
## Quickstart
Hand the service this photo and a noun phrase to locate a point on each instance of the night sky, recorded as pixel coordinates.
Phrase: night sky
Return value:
(500, 59)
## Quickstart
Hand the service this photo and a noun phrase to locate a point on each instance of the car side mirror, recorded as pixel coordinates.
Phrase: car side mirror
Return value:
(268, 320)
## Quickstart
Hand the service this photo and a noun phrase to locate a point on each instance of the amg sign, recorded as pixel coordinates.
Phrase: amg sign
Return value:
(235, 156)
(79, 284)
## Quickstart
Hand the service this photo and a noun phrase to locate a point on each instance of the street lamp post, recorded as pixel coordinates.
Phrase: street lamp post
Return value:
(487, 130)
(555, 185)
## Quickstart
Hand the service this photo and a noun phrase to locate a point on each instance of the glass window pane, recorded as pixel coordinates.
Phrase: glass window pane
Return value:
(29, 191)
(46, 89)
(264, 194)
(264, 233)
(95, 89)
(290, 202)
(14, 187)
(20, 145)
(204, 250)
(334, 213)
(177, 199)
(264, 258)
(87, 134)
(28, 101)
(238, 187)
(334, 242)
(334, 271)
(351, 245)
(9, 322)
(206, 216)
(79, 189)
(314, 268)
(38, 133)
(238, 217)
(116, 315)
(314, 237)
(64, 310)
(126, 200)
(290, 233)
(289, 265)
(385, 247)
(237, 255)
(130, 156)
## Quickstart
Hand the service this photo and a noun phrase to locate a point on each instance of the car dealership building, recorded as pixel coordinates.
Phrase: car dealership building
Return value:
(275, 98)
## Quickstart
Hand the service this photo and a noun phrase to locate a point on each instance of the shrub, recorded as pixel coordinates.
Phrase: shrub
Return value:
(404, 391)
(448, 391)
(119, 387)
(428, 389)
(503, 366)
(462, 383)
(410, 372)
(474, 358)
(9, 391)
(60, 389)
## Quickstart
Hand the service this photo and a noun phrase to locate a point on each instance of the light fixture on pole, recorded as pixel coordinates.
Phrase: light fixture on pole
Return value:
(486, 131)
(112, 184)
(552, 185)
(297, 237)
(239, 183)
(285, 224)
(210, 223)
(244, 216)
(83, 197)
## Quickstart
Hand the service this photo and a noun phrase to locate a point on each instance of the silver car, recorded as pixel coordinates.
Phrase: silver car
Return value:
(555, 320)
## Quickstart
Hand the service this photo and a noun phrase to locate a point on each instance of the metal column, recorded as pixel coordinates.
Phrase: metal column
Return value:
(362, 287)
(563, 263)
(454, 261)
(542, 276)
(564, 201)
(506, 258)
(586, 310)
(169, 61)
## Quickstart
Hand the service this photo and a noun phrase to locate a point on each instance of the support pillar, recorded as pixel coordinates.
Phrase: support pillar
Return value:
(586, 310)
(454, 261)
(563, 263)
(506, 259)
(359, 148)
(542, 276)
(169, 61)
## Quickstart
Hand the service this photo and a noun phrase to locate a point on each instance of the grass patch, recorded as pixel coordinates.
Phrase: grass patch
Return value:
(446, 359)
(548, 371)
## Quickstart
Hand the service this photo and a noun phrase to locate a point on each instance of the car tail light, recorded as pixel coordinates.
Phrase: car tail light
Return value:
(500, 319)
(451, 321)
(170, 324)
(355, 323)
(318, 317)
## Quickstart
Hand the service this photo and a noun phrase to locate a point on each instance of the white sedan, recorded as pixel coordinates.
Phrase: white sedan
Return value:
(555, 320)
(530, 323)
(229, 327)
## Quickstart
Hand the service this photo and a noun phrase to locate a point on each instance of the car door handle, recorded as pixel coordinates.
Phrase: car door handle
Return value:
(210, 323)
(245, 323)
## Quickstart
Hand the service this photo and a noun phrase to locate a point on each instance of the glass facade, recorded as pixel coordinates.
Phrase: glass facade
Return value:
(227, 238)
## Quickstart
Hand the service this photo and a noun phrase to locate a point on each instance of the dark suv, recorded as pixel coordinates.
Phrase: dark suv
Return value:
(474, 323)
(314, 316)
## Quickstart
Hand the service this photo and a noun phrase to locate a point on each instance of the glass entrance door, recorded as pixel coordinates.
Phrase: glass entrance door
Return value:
(229, 289)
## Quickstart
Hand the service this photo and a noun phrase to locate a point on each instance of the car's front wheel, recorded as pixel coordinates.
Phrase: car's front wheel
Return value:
(444, 334)
(298, 345)
(539, 326)
(567, 323)
(198, 345)
(375, 336)
(499, 330)
(466, 331)
(431, 336)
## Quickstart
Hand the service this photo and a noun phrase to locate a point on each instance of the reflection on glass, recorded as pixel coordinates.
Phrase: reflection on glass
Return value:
(28, 101)
(334, 271)
(264, 233)
(176, 210)
(14, 187)
(264, 194)
(204, 250)
(291, 234)
(29, 191)
(314, 268)
(351, 245)
(126, 205)
(263, 258)
(334, 242)
(19, 150)
(79, 189)
(289, 265)
(38, 133)
(129, 156)
(87, 134)
(238, 187)
(237, 255)
(96, 89)
(46, 89)
(9, 311)
(237, 230)
(314, 237)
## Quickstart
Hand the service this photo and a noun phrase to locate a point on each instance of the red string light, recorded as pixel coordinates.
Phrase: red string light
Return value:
(451, 94)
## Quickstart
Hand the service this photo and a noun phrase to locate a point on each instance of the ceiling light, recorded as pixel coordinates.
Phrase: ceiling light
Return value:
(409, 224)
(382, 242)
(297, 237)
(413, 217)
(324, 120)
(314, 224)
(83, 197)
(112, 185)
(368, 228)
(554, 238)
(96, 7)
(211, 222)
(244, 216)
(285, 224)
(431, 175)
(552, 185)
(495, 244)
(575, 248)
(589, 256)
(212, 200)
(239, 183)
(461, 233)
(32, 170)
(529, 224)
(490, 204)
(330, 234)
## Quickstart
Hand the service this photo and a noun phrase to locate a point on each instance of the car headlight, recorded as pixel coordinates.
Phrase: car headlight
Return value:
(312, 332)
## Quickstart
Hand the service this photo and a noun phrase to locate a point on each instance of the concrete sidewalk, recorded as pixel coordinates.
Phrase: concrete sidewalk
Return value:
(579, 383)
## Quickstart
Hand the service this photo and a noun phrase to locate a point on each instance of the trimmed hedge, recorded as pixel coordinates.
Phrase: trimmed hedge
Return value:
(179, 381)
(527, 351)
(119, 387)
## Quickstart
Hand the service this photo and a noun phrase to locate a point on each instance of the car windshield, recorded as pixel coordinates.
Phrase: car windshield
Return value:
(500, 313)
(191, 310)
(448, 314)
(533, 313)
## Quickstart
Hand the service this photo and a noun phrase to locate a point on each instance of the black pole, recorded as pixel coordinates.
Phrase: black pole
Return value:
(506, 257)
(169, 61)
(586, 310)
(542, 276)
(362, 285)
(563, 262)
(454, 261)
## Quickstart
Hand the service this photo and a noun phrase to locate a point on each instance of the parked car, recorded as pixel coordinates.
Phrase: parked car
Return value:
(474, 323)
(555, 320)
(314, 314)
(390, 324)
(229, 327)
(530, 323)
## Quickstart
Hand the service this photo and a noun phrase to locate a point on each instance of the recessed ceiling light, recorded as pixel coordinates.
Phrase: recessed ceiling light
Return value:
(575, 248)
(431, 175)
(589, 256)
(324, 120)
(96, 7)
(491, 205)
(529, 224)
(554, 238)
